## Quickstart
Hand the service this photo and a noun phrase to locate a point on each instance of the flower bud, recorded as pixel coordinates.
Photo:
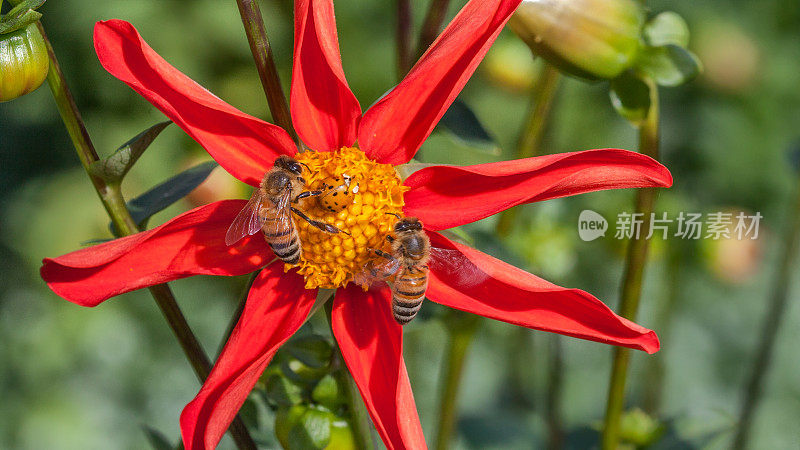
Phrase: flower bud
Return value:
(587, 38)
(23, 62)
(341, 436)
(639, 429)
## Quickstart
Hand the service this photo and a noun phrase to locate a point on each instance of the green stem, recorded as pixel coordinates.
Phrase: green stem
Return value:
(461, 327)
(632, 279)
(111, 197)
(403, 37)
(530, 139)
(265, 63)
(432, 24)
(769, 329)
(360, 417)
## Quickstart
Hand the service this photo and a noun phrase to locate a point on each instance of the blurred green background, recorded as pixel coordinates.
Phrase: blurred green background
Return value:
(77, 378)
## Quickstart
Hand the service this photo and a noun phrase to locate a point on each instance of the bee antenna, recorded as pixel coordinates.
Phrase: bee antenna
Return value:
(309, 168)
(394, 214)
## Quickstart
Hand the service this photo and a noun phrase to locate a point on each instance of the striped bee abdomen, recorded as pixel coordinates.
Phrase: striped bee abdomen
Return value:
(408, 292)
(287, 250)
(284, 242)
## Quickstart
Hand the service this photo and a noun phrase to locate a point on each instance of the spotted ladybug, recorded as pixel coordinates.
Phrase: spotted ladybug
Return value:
(337, 198)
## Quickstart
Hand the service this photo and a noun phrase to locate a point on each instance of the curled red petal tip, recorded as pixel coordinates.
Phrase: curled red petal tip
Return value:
(449, 196)
(190, 244)
(244, 145)
(486, 286)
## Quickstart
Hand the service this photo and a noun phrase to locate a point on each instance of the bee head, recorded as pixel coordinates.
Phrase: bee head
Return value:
(407, 224)
(290, 164)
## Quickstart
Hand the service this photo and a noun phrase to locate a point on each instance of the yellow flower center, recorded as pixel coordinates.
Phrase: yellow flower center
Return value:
(358, 194)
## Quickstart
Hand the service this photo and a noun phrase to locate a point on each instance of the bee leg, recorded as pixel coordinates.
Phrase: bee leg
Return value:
(383, 254)
(321, 225)
(307, 194)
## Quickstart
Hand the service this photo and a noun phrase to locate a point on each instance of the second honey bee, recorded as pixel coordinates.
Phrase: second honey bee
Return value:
(269, 210)
(408, 263)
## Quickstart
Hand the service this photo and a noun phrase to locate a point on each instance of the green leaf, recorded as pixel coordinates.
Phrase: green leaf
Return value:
(281, 391)
(17, 19)
(669, 65)
(20, 16)
(313, 430)
(165, 194)
(666, 28)
(113, 168)
(157, 439)
(630, 96)
(463, 124)
(313, 351)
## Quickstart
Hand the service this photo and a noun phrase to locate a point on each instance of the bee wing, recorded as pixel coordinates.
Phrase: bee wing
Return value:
(455, 266)
(248, 221)
(377, 269)
(282, 222)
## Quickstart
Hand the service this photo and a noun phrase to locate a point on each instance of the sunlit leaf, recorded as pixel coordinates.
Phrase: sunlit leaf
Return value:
(669, 65)
(666, 28)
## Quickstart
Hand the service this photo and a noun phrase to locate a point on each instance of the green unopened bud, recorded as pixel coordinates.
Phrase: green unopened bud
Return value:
(328, 393)
(588, 38)
(23, 62)
(341, 436)
(285, 419)
(312, 430)
(638, 428)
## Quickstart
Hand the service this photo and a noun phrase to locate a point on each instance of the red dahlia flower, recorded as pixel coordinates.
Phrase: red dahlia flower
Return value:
(328, 119)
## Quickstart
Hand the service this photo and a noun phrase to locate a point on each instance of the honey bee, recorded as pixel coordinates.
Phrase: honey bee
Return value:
(269, 210)
(407, 262)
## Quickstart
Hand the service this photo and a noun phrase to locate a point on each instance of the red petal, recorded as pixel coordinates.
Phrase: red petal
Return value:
(324, 110)
(477, 283)
(372, 345)
(245, 146)
(449, 196)
(393, 129)
(276, 307)
(190, 244)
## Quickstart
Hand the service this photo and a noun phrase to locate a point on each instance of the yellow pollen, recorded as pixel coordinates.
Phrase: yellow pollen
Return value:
(331, 260)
